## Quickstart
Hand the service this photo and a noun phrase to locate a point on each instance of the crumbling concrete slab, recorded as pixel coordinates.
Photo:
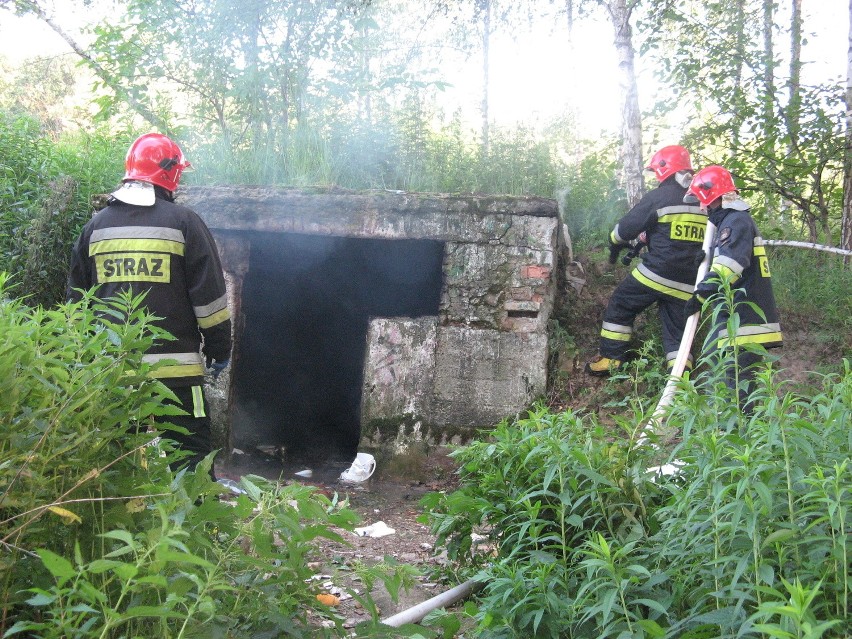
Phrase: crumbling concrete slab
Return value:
(399, 368)
(484, 375)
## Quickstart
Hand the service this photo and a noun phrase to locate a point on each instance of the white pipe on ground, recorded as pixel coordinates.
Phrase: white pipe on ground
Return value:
(416, 613)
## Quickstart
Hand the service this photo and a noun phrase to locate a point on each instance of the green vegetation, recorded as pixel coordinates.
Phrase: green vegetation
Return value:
(100, 537)
(818, 287)
(46, 188)
(750, 538)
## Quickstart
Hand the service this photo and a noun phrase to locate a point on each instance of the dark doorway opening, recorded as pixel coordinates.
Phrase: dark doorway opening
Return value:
(306, 303)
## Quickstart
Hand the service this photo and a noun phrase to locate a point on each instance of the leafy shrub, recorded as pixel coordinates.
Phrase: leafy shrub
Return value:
(749, 539)
(539, 488)
(25, 165)
(592, 203)
(99, 537)
(73, 392)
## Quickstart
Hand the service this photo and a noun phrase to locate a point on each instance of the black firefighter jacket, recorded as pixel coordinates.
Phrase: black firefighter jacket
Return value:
(168, 251)
(675, 233)
(739, 257)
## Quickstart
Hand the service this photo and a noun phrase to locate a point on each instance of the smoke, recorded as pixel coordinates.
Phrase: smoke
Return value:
(307, 302)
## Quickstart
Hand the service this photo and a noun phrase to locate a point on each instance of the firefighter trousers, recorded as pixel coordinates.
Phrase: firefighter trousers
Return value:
(630, 298)
(197, 440)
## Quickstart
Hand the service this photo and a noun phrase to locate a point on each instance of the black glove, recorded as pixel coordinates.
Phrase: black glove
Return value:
(699, 257)
(614, 250)
(708, 287)
(217, 366)
(693, 305)
(634, 251)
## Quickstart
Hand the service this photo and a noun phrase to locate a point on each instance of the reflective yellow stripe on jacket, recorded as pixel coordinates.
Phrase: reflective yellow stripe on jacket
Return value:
(213, 313)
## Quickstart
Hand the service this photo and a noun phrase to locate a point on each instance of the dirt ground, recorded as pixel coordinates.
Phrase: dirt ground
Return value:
(395, 502)
(392, 495)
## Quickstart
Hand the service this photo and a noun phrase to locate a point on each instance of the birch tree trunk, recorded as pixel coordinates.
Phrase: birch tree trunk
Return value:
(631, 116)
(794, 104)
(792, 112)
(846, 223)
(770, 122)
(486, 45)
(738, 18)
(769, 74)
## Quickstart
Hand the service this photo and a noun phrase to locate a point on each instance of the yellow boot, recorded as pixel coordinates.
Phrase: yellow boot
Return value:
(602, 366)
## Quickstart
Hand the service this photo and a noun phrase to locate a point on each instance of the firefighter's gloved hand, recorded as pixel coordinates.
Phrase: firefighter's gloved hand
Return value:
(693, 304)
(635, 249)
(614, 250)
(699, 257)
(217, 367)
(708, 287)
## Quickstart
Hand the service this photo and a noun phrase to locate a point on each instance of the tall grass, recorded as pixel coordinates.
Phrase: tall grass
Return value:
(818, 286)
(45, 197)
(404, 154)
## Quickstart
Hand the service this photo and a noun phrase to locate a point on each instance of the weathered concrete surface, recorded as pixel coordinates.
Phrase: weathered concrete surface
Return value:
(399, 367)
(482, 375)
(484, 357)
(425, 382)
(379, 214)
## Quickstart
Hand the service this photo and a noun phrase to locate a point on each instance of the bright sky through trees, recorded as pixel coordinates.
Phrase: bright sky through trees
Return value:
(530, 76)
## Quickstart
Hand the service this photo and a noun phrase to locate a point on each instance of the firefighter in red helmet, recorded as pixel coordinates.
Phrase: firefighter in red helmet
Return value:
(143, 241)
(673, 233)
(740, 262)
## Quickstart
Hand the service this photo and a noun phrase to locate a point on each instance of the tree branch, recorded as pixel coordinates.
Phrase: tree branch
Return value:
(129, 97)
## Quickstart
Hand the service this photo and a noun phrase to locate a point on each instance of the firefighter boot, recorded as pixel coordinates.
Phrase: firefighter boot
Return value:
(602, 366)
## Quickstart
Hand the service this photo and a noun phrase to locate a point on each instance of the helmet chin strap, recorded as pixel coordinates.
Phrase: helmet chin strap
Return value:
(167, 163)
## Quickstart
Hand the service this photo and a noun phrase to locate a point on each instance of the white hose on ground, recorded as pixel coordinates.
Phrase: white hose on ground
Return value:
(685, 344)
(810, 245)
(416, 613)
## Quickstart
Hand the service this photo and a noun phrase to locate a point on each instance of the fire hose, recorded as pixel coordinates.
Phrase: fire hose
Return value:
(809, 245)
(685, 344)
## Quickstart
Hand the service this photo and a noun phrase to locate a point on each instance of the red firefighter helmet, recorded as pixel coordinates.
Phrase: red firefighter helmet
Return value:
(668, 161)
(156, 159)
(711, 183)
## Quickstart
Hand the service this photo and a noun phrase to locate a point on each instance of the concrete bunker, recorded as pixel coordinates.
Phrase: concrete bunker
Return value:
(378, 319)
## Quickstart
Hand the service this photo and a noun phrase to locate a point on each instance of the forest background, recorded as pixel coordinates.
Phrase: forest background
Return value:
(403, 95)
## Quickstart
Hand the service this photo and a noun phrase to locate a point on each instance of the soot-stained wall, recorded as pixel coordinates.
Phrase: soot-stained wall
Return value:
(306, 304)
(436, 305)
